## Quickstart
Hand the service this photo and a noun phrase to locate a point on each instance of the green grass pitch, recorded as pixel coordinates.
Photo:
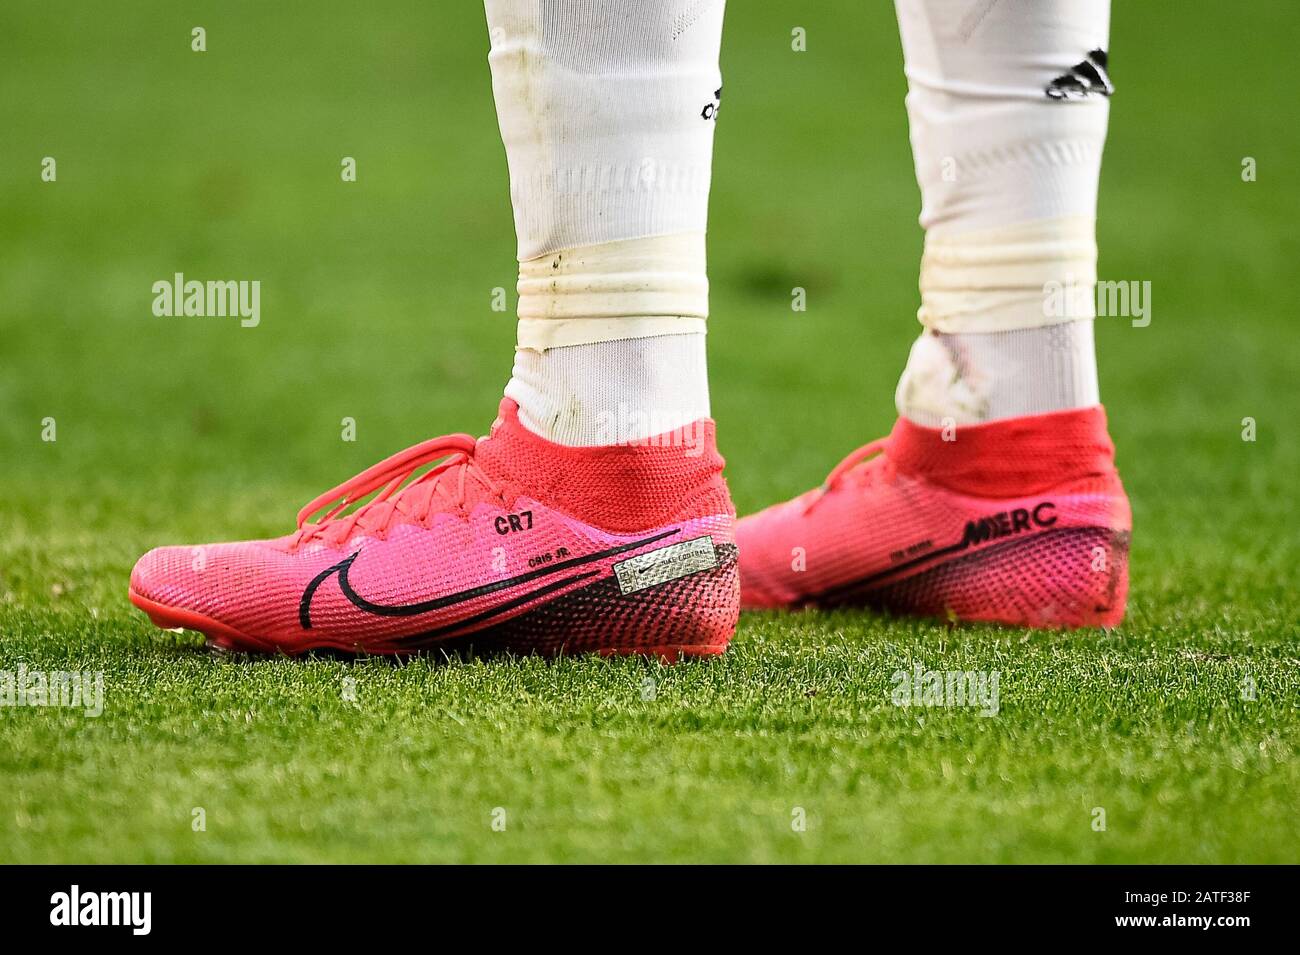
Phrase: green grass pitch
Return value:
(376, 306)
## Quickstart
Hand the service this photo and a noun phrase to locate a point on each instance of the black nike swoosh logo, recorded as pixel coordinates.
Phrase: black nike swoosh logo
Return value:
(852, 585)
(966, 543)
(415, 641)
(448, 600)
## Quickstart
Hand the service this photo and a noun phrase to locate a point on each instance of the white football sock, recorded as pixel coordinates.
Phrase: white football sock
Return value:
(1008, 110)
(968, 378)
(607, 113)
(611, 392)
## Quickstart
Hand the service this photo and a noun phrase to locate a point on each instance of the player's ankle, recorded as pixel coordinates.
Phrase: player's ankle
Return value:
(639, 483)
(612, 392)
(971, 378)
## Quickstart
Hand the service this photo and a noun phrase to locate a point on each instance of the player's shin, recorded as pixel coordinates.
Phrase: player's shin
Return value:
(607, 113)
(1008, 106)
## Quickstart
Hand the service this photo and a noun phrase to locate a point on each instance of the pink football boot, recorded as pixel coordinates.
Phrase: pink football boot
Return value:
(509, 542)
(1021, 521)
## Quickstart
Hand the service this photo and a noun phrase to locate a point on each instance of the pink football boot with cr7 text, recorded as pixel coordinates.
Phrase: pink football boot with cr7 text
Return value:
(509, 542)
(1021, 521)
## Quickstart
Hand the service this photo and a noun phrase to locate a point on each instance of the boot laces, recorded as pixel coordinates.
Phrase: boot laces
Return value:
(843, 469)
(445, 483)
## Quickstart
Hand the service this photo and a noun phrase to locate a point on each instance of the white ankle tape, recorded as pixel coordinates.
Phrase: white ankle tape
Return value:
(636, 288)
(996, 280)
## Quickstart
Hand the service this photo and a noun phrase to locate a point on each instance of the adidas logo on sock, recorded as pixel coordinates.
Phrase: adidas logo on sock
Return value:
(710, 110)
(1083, 80)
